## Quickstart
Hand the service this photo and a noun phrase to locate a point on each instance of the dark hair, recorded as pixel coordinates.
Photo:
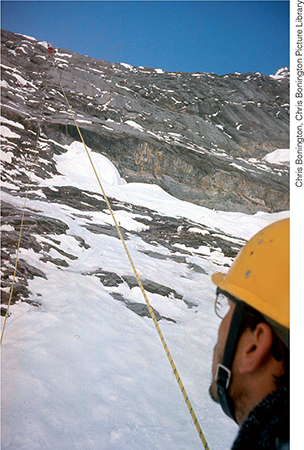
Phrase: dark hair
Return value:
(279, 350)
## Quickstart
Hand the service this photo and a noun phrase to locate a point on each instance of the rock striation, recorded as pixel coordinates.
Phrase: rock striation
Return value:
(200, 136)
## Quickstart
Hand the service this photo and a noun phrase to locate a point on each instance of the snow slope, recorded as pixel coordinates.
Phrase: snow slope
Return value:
(80, 370)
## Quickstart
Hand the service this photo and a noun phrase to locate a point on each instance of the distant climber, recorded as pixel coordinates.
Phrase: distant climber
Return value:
(50, 49)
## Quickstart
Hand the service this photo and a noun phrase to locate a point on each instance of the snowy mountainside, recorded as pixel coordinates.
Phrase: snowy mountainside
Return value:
(201, 137)
(82, 365)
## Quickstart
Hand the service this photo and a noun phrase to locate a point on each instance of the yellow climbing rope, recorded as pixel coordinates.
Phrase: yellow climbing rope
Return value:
(22, 220)
(179, 381)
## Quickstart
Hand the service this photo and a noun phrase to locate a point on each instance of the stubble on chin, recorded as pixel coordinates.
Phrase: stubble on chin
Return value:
(213, 391)
(213, 386)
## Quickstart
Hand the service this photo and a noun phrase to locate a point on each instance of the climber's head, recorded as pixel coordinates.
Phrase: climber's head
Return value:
(251, 357)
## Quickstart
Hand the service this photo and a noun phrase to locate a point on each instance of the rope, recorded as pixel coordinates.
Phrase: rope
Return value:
(22, 220)
(178, 379)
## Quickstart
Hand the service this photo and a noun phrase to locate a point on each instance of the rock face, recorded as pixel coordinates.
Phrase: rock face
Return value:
(201, 137)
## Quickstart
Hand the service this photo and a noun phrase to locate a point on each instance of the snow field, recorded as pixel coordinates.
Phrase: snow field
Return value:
(82, 371)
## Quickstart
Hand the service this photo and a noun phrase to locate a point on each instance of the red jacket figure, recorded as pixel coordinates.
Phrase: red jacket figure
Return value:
(50, 49)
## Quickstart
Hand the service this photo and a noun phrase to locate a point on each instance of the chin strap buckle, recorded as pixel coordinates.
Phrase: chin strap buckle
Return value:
(223, 376)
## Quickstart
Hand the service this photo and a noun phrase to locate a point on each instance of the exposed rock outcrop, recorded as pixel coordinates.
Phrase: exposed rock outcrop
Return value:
(201, 137)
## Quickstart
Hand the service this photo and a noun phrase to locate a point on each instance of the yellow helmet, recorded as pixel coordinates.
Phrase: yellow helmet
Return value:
(260, 273)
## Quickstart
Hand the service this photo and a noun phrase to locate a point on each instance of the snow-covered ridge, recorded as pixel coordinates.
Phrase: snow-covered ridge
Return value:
(284, 72)
(280, 73)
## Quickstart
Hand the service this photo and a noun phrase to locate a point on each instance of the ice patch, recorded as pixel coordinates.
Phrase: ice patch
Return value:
(6, 156)
(27, 37)
(6, 132)
(133, 124)
(11, 122)
(4, 84)
(127, 66)
(44, 44)
(63, 54)
(281, 73)
(76, 169)
(7, 228)
(237, 166)
(279, 156)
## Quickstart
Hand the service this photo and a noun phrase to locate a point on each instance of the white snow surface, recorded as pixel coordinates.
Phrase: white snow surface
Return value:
(78, 171)
(6, 132)
(81, 371)
(279, 156)
(133, 124)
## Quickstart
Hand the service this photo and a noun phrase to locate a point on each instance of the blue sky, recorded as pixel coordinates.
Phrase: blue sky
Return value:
(189, 36)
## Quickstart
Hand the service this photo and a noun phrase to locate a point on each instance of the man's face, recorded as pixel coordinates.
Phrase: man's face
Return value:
(219, 348)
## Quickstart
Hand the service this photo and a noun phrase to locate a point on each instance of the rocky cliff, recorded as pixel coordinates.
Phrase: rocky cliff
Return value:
(201, 137)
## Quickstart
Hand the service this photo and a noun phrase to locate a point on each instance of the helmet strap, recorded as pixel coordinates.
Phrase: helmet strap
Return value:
(223, 372)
